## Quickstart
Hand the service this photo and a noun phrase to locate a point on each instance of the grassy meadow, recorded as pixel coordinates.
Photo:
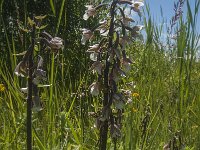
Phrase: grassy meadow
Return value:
(163, 110)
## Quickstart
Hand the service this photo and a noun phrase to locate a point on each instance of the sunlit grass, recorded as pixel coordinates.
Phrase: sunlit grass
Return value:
(165, 100)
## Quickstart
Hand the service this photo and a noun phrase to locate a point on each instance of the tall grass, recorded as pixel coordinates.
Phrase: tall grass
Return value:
(165, 112)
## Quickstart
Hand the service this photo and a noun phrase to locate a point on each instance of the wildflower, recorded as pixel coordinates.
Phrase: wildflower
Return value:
(105, 33)
(126, 65)
(95, 88)
(2, 88)
(126, 92)
(21, 69)
(129, 101)
(97, 66)
(135, 95)
(132, 84)
(136, 6)
(87, 35)
(56, 43)
(91, 11)
(136, 29)
(93, 48)
(126, 20)
(103, 28)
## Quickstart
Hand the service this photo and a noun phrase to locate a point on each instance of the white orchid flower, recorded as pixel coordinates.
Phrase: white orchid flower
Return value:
(103, 28)
(56, 43)
(87, 35)
(91, 11)
(136, 6)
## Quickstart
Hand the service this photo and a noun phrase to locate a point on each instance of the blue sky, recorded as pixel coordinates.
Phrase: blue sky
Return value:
(168, 9)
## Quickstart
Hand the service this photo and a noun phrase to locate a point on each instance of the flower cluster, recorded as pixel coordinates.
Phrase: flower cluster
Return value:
(110, 61)
(2, 87)
(46, 41)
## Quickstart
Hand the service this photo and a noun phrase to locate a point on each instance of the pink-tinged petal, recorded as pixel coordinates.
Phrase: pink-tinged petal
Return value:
(103, 28)
(93, 48)
(89, 6)
(136, 7)
(91, 11)
(56, 43)
(104, 33)
(126, 20)
(87, 35)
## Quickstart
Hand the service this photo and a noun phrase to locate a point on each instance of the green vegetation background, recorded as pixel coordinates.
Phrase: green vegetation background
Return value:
(168, 83)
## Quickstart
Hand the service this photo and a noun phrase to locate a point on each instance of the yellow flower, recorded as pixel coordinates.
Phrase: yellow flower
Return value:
(135, 95)
(134, 110)
(2, 88)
